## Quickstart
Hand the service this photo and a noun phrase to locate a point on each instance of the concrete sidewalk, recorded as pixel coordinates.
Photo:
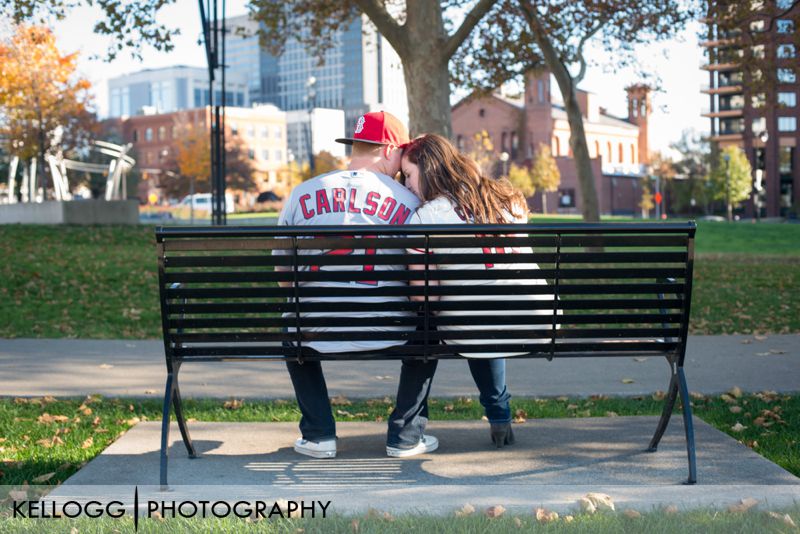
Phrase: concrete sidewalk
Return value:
(70, 367)
(553, 463)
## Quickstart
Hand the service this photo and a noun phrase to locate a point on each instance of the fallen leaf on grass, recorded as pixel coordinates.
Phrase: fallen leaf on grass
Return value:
(612, 414)
(727, 398)
(659, 395)
(47, 418)
(572, 407)
(233, 404)
(544, 515)
(132, 421)
(785, 518)
(735, 409)
(495, 511)
(735, 392)
(88, 442)
(518, 522)
(344, 413)
(448, 407)
(95, 421)
(696, 395)
(354, 525)
(631, 514)
(340, 400)
(743, 505)
(671, 509)
(465, 510)
(568, 519)
(562, 399)
(628, 380)
(738, 427)
(18, 495)
(43, 478)
(3, 440)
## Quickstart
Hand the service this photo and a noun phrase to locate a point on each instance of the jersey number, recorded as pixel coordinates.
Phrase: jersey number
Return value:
(349, 251)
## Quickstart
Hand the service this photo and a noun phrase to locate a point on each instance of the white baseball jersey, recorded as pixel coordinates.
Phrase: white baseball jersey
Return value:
(442, 211)
(342, 198)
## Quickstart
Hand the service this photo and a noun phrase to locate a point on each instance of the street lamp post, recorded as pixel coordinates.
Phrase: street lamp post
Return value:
(728, 207)
(504, 158)
(311, 84)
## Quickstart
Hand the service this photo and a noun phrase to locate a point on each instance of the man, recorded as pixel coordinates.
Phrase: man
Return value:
(369, 186)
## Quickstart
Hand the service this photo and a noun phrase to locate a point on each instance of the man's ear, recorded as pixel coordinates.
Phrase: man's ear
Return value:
(388, 150)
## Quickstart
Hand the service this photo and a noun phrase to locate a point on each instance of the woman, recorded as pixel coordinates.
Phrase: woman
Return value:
(452, 191)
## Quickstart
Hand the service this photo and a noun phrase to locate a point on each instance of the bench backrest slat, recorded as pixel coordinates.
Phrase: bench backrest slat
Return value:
(621, 289)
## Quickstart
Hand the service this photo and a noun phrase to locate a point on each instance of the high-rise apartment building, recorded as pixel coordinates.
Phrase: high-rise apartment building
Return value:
(754, 109)
(360, 73)
(170, 89)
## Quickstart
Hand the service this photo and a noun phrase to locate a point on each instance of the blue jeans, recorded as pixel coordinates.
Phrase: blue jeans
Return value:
(490, 377)
(406, 423)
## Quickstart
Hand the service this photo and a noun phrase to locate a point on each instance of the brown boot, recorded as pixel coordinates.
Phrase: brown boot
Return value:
(502, 434)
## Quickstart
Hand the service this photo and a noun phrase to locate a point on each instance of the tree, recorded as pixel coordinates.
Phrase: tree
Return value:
(646, 203)
(189, 161)
(45, 108)
(421, 34)
(520, 35)
(481, 150)
(731, 179)
(324, 162)
(545, 173)
(692, 167)
(520, 177)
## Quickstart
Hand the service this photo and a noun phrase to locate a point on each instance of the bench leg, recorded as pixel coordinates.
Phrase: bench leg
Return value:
(666, 413)
(168, 391)
(176, 400)
(688, 426)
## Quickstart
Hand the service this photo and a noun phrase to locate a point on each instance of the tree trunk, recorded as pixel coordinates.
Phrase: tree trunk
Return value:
(40, 168)
(428, 86)
(580, 150)
(426, 69)
(577, 137)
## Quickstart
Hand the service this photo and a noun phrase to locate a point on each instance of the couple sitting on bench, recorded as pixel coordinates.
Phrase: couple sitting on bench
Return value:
(438, 185)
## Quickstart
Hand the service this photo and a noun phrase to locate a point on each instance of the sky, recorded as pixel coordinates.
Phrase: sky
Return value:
(676, 106)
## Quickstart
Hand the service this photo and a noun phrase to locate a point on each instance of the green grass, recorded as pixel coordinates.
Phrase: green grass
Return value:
(33, 444)
(101, 282)
(696, 521)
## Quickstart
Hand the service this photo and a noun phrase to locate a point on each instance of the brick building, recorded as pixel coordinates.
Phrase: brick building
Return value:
(262, 130)
(517, 125)
(761, 120)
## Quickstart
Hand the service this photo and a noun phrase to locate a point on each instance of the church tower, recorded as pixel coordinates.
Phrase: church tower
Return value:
(638, 113)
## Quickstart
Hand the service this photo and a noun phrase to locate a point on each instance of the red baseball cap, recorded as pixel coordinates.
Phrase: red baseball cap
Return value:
(379, 128)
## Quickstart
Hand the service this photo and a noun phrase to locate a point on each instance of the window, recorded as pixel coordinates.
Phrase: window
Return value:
(278, 132)
(148, 134)
(482, 112)
(460, 142)
(757, 26)
(566, 198)
(514, 145)
(136, 136)
(787, 100)
(264, 132)
(610, 152)
(503, 142)
(597, 149)
(251, 131)
(757, 101)
(620, 153)
(786, 75)
(758, 125)
(265, 155)
(759, 51)
(162, 133)
(540, 90)
(787, 124)
(633, 154)
(556, 146)
(251, 153)
(784, 4)
(279, 155)
(785, 26)
(786, 51)
(785, 160)
(635, 106)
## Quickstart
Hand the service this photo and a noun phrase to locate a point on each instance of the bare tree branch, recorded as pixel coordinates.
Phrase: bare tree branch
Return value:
(581, 59)
(470, 21)
(386, 24)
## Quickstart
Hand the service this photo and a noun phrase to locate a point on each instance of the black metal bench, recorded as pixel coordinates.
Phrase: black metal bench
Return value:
(622, 290)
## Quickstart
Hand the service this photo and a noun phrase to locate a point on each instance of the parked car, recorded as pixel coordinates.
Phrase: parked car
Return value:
(267, 196)
(201, 202)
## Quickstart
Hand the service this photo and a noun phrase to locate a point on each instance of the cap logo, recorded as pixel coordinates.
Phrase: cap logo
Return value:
(360, 124)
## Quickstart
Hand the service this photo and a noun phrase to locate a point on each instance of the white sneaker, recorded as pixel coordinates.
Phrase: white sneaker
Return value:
(426, 444)
(321, 449)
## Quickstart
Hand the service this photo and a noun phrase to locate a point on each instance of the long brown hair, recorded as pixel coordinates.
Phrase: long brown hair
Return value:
(444, 171)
